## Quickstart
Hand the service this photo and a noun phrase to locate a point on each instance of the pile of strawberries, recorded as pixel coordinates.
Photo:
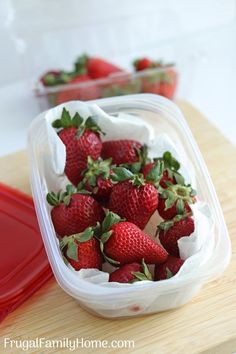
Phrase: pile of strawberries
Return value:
(87, 70)
(115, 189)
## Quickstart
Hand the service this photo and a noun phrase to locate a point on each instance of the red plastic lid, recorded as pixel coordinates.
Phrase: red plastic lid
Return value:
(24, 265)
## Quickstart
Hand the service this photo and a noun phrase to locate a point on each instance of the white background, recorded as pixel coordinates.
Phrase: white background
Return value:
(36, 35)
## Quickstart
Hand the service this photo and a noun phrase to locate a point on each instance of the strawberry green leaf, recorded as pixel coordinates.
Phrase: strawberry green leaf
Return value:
(179, 178)
(139, 275)
(120, 174)
(97, 230)
(77, 120)
(160, 190)
(57, 124)
(66, 121)
(81, 64)
(170, 201)
(168, 183)
(180, 207)
(165, 225)
(85, 236)
(138, 180)
(67, 199)
(109, 220)
(93, 126)
(105, 236)
(72, 251)
(142, 153)
(146, 270)
(170, 161)
(70, 189)
(155, 174)
(134, 167)
(111, 261)
(92, 180)
(66, 118)
(52, 199)
(96, 168)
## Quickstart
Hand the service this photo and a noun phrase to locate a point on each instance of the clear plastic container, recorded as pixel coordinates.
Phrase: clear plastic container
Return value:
(149, 297)
(118, 84)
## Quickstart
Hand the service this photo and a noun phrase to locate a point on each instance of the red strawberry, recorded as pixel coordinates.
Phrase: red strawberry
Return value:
(100, 68)
(168, 269)
(82, 139)
(175, 200)
(129, 273)
(143, 64)
(97, 179)
(96, 68)
(121, 151)
(168, 86)
(123, 242)
(73, 213)
(163, 82)
(133, 198)
(172, 230)
(163, 171)
(82, 250)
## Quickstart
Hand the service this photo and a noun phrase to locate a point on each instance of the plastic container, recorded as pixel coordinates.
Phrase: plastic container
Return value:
(149, 297)
(24, 266)
(162, 81)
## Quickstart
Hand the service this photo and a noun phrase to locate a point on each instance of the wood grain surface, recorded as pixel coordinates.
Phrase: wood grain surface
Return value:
(206, 325)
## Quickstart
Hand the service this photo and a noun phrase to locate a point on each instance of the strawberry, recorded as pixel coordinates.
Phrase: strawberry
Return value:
(55, 77)
(130, 273)
(143, 64)
(96, 68)
(175, 200)
(84, 92)
(97, 179)
(123, 242)
(162, 82)
(172, 230)
(82, 250)
(163, 170)
(168, 269)
(73, 211)
(168, 86)
(132, 198)
(81, 139)
(122, 151)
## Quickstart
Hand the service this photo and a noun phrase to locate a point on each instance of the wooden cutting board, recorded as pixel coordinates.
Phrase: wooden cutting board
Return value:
(206, 325)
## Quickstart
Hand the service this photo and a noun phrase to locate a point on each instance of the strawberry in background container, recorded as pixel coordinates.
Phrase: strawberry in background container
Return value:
(95, 77)
(81, 83)
(162, 83)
